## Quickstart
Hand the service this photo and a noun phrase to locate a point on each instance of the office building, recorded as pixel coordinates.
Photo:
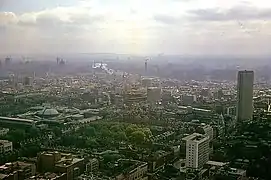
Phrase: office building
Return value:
(245, 95)
(197, 150)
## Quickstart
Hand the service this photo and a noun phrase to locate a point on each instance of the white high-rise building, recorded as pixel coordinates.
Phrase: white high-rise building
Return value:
(197, 150)
(245, 95)
(207, 130)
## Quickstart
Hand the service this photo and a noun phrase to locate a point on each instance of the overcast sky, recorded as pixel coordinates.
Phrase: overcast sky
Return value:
(136, 26)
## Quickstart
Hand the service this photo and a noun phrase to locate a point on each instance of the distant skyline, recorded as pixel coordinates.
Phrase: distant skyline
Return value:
(136, 26)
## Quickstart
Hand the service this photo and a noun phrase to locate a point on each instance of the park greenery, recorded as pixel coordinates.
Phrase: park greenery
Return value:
(102, 135)
(26, 143)
(106, 135)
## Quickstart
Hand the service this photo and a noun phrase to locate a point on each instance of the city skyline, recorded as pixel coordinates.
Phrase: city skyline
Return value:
(137, 27)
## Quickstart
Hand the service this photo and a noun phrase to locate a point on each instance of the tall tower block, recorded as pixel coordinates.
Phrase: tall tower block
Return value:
(245, 81)
(146, 66)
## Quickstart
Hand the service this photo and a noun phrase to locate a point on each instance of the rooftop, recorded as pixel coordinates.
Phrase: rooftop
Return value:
(4, 141)
(216, 163)
(47, 175)
(195, 137)
(48, 112)
(125, 166)
(16, 119)
(64, 162)
(63, 159)
(14, 165)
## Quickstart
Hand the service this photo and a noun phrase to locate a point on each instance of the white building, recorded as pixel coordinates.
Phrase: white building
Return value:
(5, 146)
(197, 150)
(245, 95)
(207, 130)
(3, 131)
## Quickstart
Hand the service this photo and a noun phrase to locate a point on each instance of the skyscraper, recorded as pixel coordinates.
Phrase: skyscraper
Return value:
(146, 67)
(245, 95)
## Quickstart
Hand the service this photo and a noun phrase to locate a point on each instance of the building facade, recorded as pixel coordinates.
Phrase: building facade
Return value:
(245, 81)
(207, 130)
(17, 170)
(137, 171)
(61, 163)
(197, 150)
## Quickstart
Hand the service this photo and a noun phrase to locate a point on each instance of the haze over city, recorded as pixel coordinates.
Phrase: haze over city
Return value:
(213, 27)
(135, 90)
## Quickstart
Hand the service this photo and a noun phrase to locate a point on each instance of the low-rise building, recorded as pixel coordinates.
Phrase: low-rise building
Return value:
(5, 146)
(126, 169)
(230, 173)
(3, 131)
(17, 170)
(61, 163)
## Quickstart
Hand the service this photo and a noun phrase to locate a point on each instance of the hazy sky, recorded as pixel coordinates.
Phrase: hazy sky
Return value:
(136, 26)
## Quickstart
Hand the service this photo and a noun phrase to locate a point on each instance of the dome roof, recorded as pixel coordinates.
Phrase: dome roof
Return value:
(48, 112)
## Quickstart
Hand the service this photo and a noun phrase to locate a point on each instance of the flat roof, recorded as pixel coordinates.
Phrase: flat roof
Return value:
(196, 109)
(216, 163)
(16, 119)
(4, 141)
(63, 162)
(195, 137)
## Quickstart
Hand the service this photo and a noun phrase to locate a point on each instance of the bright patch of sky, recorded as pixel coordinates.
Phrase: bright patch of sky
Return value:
(135, 26)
